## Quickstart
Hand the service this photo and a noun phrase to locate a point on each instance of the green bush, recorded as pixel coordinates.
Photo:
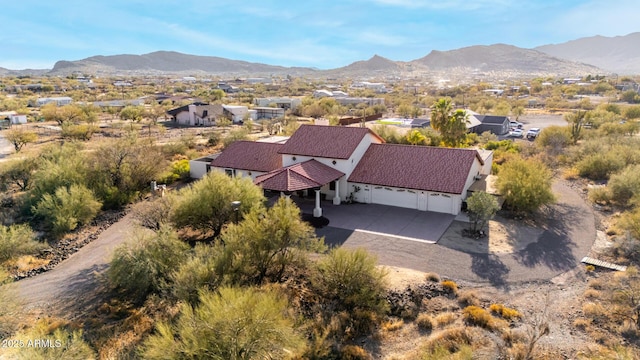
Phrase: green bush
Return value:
(229, 324)
(64, 342)
(349, 282)
(235, 135)
(525, 185)
(268, 245)
(213, 138)
(625, 185)
(67, 208)
(199, 272)
(82, 132)
(632, 112)
(145, 263)
(600, 165)
(17, 240)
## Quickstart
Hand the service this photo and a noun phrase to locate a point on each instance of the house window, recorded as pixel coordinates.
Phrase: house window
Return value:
(230, 172)
(208, 168)
(332, 185)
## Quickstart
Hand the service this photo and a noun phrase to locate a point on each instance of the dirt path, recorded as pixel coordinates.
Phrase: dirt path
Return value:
(71, 285)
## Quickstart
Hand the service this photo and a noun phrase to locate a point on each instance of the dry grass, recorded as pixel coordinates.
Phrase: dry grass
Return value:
(446, 318)
(597, 284)
(392, 325)
(571, 174)
(425, 322)
(25, 263)
(433, 277)
(505, 312)
(592, 294)
(468, 297)
(582, 324)
(450, 286)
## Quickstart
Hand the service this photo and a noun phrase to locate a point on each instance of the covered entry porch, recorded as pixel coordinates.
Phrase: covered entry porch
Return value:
(308, 175)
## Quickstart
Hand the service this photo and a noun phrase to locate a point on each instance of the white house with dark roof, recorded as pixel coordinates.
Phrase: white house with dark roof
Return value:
(355, 163)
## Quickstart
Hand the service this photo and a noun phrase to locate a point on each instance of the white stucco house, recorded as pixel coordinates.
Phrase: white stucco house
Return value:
(340, 163)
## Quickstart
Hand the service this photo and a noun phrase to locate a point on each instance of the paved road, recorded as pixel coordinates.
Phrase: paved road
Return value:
(568, 236)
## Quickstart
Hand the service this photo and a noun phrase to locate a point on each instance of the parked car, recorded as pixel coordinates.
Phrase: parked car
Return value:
(533, 133)
(516, 133)
(515, 125)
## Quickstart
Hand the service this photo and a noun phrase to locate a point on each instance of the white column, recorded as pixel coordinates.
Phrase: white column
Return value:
(336, 198)
(317, 211)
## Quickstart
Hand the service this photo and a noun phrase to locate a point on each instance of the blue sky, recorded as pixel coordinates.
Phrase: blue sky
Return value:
(322, 34)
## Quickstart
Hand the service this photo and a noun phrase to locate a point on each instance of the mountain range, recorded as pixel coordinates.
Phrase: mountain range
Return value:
(591, 55)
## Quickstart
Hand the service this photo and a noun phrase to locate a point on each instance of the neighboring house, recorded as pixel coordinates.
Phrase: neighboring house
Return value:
(118, 104)
(196, 114)
(260, 113)
(237, 113)
(354, 163)
(59, 101)
(495, 124)
(281, 102)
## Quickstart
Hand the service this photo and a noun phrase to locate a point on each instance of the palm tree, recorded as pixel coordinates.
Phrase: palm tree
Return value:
(441, 113)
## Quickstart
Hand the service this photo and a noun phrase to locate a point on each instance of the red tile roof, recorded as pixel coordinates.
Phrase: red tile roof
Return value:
(415, 167)
(250, 155)
(305, 175)
(335, 142)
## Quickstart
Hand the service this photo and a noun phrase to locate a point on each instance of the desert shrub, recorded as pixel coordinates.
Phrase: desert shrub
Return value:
(173, 149)
(592, 294)
(229, 324)
(67, 208)
(349, 281)
(213, 138)
(581, 324)
(144, 264)
(597, 284)
(450, 341)
(468, 297)
(450, 286)
(392, 325)
(19, 172)
(154, 214)
(571, 174)
(179, 170)
(628, 246)
(487, 136)
(17, 240)
(206, 206)
(594, 311)
(433, 277)
(477, 316)
(199, 272)
(354, 352)
(625, 185)
(505, 312)
(555, 138)
(268, 245)
(599, 166)
(525, 185)
(82, 132)
(388, 133)
(65, 165)
(632, 112)
(446, 318)
(425, 322)
(235, 135)
(599, 195)
(64, 342)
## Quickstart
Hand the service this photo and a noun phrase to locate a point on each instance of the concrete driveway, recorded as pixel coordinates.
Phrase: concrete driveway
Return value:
(424, 226)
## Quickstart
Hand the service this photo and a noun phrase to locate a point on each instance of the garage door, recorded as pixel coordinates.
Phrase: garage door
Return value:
(440, 203)
(395, 197)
